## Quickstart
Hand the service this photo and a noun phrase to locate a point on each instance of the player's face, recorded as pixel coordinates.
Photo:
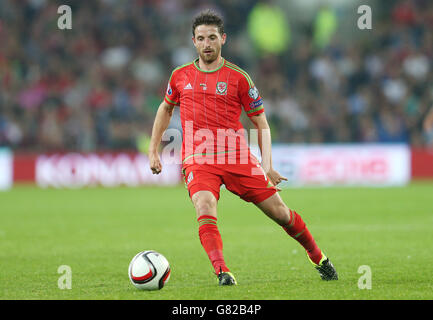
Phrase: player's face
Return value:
(208, 42)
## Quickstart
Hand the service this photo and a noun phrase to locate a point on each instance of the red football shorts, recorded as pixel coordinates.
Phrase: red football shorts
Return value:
(248, 181)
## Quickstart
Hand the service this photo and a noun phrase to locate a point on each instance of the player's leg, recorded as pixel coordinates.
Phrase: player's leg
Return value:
(205, 204)
(292, 223)
(253, 185)
(203, 187)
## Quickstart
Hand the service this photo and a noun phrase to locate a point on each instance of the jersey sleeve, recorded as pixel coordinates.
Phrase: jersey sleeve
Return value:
(251, 100)
(172, 94)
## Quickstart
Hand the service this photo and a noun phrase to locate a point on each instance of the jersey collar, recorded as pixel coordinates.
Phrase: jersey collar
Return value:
(210, 71)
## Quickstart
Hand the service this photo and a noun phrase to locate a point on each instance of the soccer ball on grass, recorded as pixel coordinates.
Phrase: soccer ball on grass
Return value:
(149, 270)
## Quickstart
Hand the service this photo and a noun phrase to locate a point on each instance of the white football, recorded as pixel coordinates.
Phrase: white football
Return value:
(149, 270)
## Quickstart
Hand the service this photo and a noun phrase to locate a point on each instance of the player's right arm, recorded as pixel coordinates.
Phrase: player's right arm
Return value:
(162, 120)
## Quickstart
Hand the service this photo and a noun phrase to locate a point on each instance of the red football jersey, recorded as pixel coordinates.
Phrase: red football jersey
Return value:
(211, 104)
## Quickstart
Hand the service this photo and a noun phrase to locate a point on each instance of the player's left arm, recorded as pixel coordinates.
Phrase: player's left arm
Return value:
(265, 145)
(253, 106)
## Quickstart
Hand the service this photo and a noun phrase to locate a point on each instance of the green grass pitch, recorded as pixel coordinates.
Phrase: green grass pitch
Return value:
(97, 231)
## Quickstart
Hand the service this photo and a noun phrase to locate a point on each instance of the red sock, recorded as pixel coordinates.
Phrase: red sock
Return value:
(212, 243)
(298, 231)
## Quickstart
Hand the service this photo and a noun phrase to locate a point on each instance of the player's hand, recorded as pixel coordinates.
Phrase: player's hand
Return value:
(155, 162)
(275, 177)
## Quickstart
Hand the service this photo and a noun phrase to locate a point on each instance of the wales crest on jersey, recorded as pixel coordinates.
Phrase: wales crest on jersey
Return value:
(221, 88)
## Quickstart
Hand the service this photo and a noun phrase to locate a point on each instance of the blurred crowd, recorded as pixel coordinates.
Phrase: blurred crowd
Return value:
(97, 86)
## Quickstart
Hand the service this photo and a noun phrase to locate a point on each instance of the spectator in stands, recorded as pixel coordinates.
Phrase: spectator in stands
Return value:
(85, 89)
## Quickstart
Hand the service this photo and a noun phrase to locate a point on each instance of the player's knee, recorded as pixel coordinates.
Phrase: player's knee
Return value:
(276, 209)
(205, 208)
(281, 214)
(205, 205)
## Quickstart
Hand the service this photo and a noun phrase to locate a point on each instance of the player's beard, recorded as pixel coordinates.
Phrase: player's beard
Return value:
(208, 58)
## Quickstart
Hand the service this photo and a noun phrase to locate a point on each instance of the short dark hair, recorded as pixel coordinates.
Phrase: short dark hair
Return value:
(208, 17)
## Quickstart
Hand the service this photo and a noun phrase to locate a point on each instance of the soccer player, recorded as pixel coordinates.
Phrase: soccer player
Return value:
(211, 93)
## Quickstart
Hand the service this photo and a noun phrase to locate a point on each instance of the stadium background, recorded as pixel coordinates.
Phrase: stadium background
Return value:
(96, 88)
(77, 107)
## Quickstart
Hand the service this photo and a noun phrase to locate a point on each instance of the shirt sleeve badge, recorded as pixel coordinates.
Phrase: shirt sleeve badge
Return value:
(253, 93)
